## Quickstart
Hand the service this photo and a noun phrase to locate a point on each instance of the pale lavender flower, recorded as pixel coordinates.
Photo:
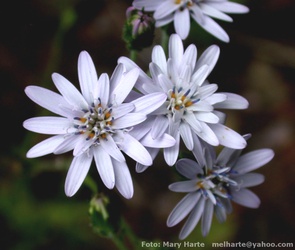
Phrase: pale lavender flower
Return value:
(94, 124)
(213, 183)
(202, 11)
(190, 109)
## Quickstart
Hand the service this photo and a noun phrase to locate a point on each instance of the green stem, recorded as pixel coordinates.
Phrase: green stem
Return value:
(164, 40)
(133, 55)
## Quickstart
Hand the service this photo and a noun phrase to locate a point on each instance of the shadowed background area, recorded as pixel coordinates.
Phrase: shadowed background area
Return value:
(41, 37)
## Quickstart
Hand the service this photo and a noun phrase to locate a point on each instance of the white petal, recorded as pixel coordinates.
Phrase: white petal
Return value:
(208, 135)
(188, 168)
(253, 160)
(228, 137)
(47, 99)
(199, 77)
(193, 219)
(135, 150)
(183, 208)
(175, 49)
(118, 73)
(233, 101)
(123, 179)
(184, 186)
(182, 23)
(69, 91)
(128, 120)
(159, 126)
(246, 198)
(48, 125)
(140, 130)
(164, 141)
(104, 166)
(207, 90)
(164, 21)
(124, 87)
(216, 98)
(148, 103)
(77, 173)
(102, 89)
(153, 152)
(171, 153)
(165, 83)
(121, 110)
(207, 217)
(165, 9)
(209, 57)
(159, 58)
(186, 135)
(82, 145)
(150, 5)
(110, 146)
(215, 13)
(45, 147)
(230, 7)
(197, 14)
(87, 76)
(68, 144)
(190, 56)
(207, 117)
(193, 122)
(215, 29)
(249, 180)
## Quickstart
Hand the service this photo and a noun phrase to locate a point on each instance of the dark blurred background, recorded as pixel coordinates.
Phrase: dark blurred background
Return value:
(38, 38)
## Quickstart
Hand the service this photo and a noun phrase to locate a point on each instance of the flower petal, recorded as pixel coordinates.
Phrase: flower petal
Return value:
(253, 160)
(87, 76)
(164, 141)
(110, 146)
(183, 208)
(68, 144)
(188, 168)
(150, 5)
(159, 126)
(104, 166)
(233, 101)
(249, 180)
(77, 173)
(182, 23)
(165, 9)
(128, 120)
(171, 153)
(45, 147)
(246, 198)
(215, 13)
(47, 99)
(186, 135)
(230, 7)
(121, 110)
(207, 217)
(123, 179)
(159, 58)
(184, 186)
(175, 49)
(102, 88)
(209, 57)
(49, 125)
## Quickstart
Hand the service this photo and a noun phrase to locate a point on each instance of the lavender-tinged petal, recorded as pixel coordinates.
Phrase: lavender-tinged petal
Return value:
(153, 152)
(246, 198)
(201, 106)
(188, 168)
(149, 103)
(198, 150)
(216, 98)
(77, 173)
(164, 141)
(228, 157)
(150, 5)
(207, 117)
(45, 147)
(186, 135)
(159, 126)
(68, 144)
(182, 23)
(253, 160)
(47, 99)
(221, 116)
(190, 56)
(183, 208)
(159, 58)
(193, 122)
(233, 101)
(197, 14)
(220, 213)
(164, 21)
(228, 137)
(215, 13)
(121, 110)
(102, 89)
(104, 166)
(230, 7)
(123, 180)
(171, 153)
(126, 84)
(87, 76)
(69, 91)
(249, 180)
(207, 217)
(206, 91)
(134, 149)
(209, 57)
(128, 120)
(118, 73)
(165, 9)
(110, 146)
(184, 186)
(82, 145)
(133, 95)
(49, 125)
(175, 49)
(193, 219)
(165, 83)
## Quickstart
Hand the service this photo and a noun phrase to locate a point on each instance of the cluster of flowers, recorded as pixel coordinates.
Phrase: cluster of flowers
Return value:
(138, 114)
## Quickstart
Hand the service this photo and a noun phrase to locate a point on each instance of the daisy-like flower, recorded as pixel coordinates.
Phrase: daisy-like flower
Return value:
(202, 11)
(94, 124)
(190, 109)
(213, 183)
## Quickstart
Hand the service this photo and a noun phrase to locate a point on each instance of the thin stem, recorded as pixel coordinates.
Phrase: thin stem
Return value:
(164, 40)
(133, 55)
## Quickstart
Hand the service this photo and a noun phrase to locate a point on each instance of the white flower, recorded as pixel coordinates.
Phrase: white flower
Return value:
(213, 183)
(202, 11)
(190, 109)
(94, 124)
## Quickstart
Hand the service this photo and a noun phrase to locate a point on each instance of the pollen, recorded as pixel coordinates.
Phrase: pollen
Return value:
(178, 1)
(200, 184)
(83, 120)
(189, 103)
(107, 115)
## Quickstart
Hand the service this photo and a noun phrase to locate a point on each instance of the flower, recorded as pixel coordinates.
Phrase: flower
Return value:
(213, 183)
(202, 11)
(190, 109)
(94, 124)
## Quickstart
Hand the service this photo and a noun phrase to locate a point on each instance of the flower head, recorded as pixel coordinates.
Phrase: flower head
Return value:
(202, 11)
(215, 181)
(190, 108)
(94, 124)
